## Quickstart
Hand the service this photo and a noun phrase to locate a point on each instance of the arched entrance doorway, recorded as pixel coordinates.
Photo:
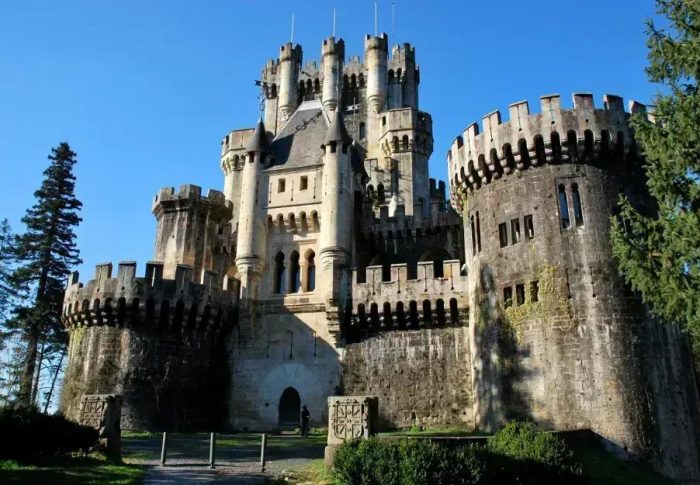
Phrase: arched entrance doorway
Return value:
(289, 408)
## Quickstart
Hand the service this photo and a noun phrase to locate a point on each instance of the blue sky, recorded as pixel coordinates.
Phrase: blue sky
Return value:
(144, 90)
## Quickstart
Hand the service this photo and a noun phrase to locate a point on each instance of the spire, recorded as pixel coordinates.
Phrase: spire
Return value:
(258, 142)
(336, 131)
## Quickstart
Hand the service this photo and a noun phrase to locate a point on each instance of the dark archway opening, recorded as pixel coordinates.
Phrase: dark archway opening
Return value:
(290, 408)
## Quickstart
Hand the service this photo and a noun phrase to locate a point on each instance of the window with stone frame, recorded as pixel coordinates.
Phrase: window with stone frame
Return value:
(503, 234)
(515, 230)
(529, 226)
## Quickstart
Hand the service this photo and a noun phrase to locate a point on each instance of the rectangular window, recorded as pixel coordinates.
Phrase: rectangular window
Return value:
(520, 294)
(515, 230)
(503, 234)
(529, 227)
(507, 296)
(281, 185)
(534, 290)
(563, 207)
(304, 184)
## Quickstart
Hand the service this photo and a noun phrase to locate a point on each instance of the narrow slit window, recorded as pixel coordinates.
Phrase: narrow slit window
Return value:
(281, 185)
(473, 236)
(478, 233)
(563, 208)
(529, 227)
(578, 209)
(534, 291)
(507, 296)
(515, 230)
(503, 234)
(520, 294)
(304, 183)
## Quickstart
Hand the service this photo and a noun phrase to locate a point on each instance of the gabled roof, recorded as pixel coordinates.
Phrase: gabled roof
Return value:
(299, 142)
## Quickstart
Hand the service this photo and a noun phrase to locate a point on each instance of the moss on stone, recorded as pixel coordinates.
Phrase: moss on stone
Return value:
(550, 304)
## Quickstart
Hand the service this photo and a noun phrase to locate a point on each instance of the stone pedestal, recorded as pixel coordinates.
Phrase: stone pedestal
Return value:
(349, 417)
(103, 412)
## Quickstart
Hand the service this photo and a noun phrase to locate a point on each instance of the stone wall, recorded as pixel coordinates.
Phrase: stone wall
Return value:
(421, 377)
(168, 381)
(276, 349)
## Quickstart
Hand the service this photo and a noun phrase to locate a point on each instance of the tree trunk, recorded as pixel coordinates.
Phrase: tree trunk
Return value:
(53, 381)
(37, 374)
(25, 385)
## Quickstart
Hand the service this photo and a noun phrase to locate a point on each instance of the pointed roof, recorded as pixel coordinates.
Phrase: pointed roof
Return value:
(337, 131)
(258, 142)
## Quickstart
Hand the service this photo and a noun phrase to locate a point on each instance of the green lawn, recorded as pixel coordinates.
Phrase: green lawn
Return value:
(73, 471)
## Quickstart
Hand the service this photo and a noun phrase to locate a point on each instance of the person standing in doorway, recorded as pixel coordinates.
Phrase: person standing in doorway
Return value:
(305, 415)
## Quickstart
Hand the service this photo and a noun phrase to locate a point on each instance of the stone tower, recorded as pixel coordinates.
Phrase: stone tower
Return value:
(536, 194)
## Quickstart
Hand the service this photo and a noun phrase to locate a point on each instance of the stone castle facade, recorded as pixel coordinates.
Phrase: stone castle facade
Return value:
(332, 264)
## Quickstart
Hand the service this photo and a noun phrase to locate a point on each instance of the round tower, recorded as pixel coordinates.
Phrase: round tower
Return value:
(251, 241)
(156, 341)
(337, 209)
(376, 58)
(332, 58)
(288, 69)
(555, 335)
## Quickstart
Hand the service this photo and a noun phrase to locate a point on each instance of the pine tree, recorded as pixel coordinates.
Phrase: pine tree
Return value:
(46, 254)
(660, 253)
(6, 261)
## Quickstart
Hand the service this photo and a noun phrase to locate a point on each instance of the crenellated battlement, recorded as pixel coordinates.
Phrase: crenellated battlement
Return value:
(583, 134)
(168, 200)
(406, 129)
(233, 149)
(380, 42)
(387, 227)
(428, 300)
(185, 303)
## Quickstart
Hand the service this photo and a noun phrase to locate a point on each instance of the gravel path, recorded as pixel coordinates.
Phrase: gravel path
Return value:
(237, 457)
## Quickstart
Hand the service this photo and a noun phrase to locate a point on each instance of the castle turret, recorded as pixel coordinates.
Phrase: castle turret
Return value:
(332, 57)
(251, 229)
(289, 62)
(189, 229)
(403, 78)
(337, 209)
(376, 58)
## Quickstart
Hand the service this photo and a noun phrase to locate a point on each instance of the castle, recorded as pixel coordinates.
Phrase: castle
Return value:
(332, 264)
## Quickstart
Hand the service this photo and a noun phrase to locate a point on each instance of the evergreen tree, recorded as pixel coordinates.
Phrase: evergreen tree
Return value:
(6, 261)
(46, 254)
(660, 253)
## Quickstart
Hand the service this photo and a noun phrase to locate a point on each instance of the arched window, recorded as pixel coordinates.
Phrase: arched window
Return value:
(454, 311)
(280, 274)
(427, 313)
(576, 200)
(404, 143)
(563, 208)
(294, 273)
(310, 271)
(363, 131)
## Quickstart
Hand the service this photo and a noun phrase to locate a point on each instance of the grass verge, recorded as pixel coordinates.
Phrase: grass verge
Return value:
(78, 471)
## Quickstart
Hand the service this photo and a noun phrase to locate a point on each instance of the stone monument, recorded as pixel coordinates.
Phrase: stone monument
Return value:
(103, 412)
(349, 417)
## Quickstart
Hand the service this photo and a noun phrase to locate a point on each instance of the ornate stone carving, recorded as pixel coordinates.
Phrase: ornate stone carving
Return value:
(351, 417)
(103, 412)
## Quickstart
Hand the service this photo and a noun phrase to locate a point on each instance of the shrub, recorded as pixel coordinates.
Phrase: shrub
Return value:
(529, 455)
(28, 435)
(406, 462)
